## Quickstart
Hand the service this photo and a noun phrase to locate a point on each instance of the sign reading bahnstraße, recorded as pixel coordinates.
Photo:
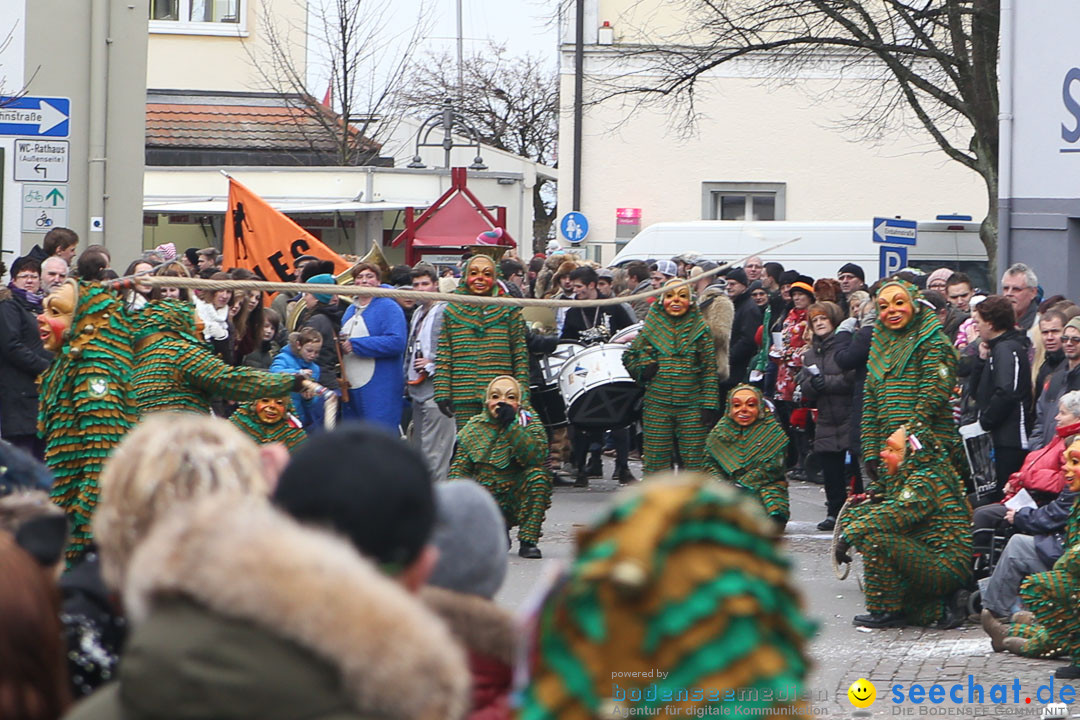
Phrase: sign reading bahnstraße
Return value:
(41, 160)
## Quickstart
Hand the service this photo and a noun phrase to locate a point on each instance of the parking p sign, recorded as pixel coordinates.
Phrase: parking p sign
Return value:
(891, 259)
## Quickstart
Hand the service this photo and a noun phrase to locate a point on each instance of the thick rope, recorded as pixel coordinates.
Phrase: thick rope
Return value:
(327, 289)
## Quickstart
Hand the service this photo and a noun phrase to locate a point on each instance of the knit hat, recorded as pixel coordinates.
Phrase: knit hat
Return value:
(666, 267)
(940, 274)
(738, 275)
(853, 269)
(367, 485)
(788, 276)
(490, 237)
(804, 283)
(1074, 323)
(167, 250)
(607, 273)
(756, 285)
(470, 534)
(192, 256)
(19, 470)
(447, 285)
(323, 279)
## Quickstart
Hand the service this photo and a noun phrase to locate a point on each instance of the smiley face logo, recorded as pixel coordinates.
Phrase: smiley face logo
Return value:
(862, 693)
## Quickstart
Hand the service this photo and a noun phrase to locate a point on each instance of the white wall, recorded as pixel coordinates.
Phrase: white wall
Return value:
(13, 18)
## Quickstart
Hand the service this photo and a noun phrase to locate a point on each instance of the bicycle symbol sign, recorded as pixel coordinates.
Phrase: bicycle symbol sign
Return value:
(44, 207)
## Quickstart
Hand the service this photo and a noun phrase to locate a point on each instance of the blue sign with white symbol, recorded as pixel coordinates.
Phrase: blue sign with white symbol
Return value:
(35, 116)
(574, 227)
(891, 260)
(895, 231)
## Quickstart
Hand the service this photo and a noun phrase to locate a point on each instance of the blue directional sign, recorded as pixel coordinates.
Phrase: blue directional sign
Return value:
(891, 259)
(895, 231)
(35, 116)
(574, 227)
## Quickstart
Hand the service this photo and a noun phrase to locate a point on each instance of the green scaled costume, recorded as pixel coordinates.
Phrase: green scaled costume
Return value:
(916, 544)
(685, 575)
(177, 372)
(509, 462)
(86, 405)
(1052, 597)
(909, 380)
(684, 386)
(477, 343)
(752, 457)
(283, 431)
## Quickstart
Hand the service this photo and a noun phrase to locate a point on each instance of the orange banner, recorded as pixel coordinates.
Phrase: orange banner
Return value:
(266, 241)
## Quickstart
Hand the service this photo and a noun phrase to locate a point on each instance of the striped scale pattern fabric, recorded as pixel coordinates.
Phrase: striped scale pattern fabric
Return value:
(476, 344)
(280, 432)
(86, 406)
(509, 462)
(684, 385)
(916, 544)
(1037, 641)
(1054, 598)
(685, 575)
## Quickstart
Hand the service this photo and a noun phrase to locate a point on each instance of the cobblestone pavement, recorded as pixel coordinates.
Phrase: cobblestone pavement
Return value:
(841, 652)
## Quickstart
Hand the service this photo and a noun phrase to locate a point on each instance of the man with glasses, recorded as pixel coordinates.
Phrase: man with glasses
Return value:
(1021, 286)
(1051, 325)
(513, 273)
(754, 268)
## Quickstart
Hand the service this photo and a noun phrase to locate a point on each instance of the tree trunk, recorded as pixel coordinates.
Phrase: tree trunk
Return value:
(988, 230)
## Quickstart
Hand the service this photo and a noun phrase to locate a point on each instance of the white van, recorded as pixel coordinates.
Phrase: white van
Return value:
(821, 249)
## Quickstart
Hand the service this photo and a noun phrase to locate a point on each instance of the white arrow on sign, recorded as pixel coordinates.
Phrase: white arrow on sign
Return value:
(893, 231)
(46, 118)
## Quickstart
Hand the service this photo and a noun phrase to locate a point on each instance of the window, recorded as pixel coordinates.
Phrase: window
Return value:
(198, 17)
(743, 201)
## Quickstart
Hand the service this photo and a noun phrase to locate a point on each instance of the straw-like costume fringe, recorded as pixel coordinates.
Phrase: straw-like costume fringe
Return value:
(509, 462)
(685, 384)
(683, 574)
(86, 406)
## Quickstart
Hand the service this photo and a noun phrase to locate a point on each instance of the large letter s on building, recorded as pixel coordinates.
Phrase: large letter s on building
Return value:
(1071, 136)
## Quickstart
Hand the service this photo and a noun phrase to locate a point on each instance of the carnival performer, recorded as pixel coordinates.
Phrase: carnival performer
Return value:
(910, 377)
(916, 541)
(267, 420)
(87, 405)
(175, 371)
(503, 448)
(1051, 625)
(681, 575)
(747, 447)
(674, 358)
(477, 343)
(373, 338)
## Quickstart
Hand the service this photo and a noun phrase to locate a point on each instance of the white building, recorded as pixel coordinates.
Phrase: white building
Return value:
(761, 149)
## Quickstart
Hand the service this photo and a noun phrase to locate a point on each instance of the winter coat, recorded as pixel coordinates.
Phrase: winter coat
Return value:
(641, 307)
(489, 636)
(326, 319)
(238, 612)
(719, 314)
(287, 362)
(261, 358)
(743, 333)
(1001, 388)
(1059, 382)
(22, 359)
(1043, 472)
(833, 430)
(854, 357)
(1047, 524)
(1051, 362)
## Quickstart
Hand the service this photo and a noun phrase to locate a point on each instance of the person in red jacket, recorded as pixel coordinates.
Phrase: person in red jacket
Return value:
(1042, 473)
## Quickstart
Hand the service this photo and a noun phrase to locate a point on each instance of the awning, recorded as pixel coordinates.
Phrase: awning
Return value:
(189, 206)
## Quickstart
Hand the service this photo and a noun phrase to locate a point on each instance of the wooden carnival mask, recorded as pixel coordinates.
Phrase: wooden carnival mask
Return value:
(676, 301)
(745, 407)
(895, 308)
(1071, 456)
(57, 315)
(503, 389)
(895, 450)
(270, 410)
(480, 276)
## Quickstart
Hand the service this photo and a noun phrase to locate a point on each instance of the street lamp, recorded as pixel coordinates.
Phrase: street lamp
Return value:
(449, 120)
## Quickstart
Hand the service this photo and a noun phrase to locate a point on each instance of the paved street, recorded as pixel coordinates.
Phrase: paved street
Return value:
(842, 653)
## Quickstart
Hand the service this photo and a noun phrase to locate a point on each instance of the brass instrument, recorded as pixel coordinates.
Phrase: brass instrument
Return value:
(495, 252)
(374, 256)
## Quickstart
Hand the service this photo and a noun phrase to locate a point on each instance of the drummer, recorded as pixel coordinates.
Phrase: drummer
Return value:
(590, 325)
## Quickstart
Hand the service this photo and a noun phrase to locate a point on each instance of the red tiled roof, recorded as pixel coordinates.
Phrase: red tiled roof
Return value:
(238, 127)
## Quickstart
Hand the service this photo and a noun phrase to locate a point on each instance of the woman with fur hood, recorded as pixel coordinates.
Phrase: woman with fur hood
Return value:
(213, 577)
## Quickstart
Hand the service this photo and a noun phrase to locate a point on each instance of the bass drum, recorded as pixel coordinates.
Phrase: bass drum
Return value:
(549, 405)
(598, 391)
(627, 334)
(550, 365)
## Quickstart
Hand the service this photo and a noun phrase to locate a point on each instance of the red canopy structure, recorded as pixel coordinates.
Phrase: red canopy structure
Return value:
(453, 222)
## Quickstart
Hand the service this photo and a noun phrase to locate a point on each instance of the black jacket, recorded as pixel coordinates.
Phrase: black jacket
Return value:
(1051, 363)
(743, 346)
(579, 319)
(833, 430)
(1001, 389)
(326, 319)
(22, 359)
(854, 357)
